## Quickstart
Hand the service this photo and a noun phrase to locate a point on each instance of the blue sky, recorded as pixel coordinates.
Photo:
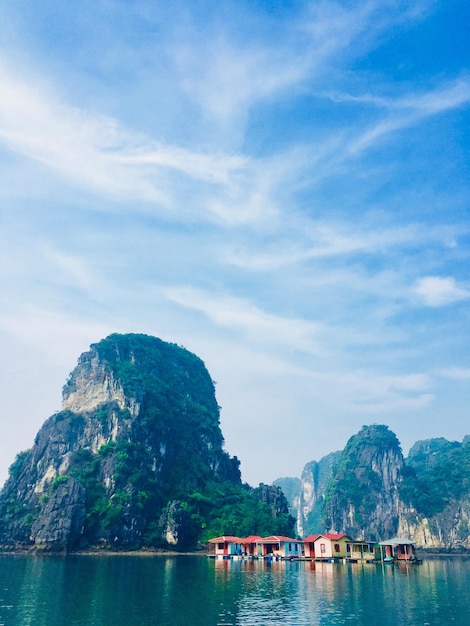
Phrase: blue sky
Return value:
(280, 187)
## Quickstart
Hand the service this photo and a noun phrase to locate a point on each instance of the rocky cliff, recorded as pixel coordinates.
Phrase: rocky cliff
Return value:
(313, 483)
(361, 498)
(135, 457)
(435, 494)
(290, 488)
(273, 497)
(370, 491)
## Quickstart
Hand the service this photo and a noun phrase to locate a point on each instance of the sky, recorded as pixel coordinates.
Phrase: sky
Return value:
(281, 187)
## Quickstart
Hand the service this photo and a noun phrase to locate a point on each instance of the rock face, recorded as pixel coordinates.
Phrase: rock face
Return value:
(61, 517)
(435, 493)
(290, 487)
(176, 527)
(369, 491)
(313, 482)
(139, 428)
(362, 497)
(274, 498)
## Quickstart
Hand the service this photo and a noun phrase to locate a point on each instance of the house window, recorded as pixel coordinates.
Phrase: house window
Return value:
(290, 547)
(336, 547)
(322, 548)
(220, 546)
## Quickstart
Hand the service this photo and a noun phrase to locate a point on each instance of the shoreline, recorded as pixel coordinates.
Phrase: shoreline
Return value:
(102, 552)
(421, 554)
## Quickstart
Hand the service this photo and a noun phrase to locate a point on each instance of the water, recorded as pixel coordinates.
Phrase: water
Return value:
(193, 590)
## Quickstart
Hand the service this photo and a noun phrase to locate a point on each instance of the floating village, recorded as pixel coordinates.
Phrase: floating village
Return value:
(326, 547)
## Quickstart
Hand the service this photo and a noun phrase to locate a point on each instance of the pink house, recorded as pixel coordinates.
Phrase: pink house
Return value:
(226, 546)
(327, 546)
(309, 546)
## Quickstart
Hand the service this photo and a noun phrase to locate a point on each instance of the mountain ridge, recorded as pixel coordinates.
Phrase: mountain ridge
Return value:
(136, 459)
(372, 492)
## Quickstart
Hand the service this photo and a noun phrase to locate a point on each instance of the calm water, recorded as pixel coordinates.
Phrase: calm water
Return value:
(191, 590)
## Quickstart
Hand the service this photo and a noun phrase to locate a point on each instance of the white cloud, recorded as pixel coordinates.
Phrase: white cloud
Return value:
(77, 145)
(291, 259)
(97, 154)
(70, 269)
(410, 110)
(359, 392)
(225, 79)
(437, 291)
(237, 314)
(227, 73)
(63, 337)
(322, 240)
(455, 373)
(213, 168)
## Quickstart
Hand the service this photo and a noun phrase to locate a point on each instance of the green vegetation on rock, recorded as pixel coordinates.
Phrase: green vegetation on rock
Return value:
(143, 468)
(355, 485)
(437, 473)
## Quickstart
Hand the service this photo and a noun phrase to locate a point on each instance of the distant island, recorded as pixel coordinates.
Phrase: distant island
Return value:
(135, 460)
(370, 491)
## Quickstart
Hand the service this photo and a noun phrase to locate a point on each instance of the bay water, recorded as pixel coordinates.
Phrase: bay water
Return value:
(128, 590)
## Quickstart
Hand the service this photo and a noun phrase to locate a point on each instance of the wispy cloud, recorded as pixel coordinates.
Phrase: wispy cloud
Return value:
(227, 74)
(212, 168)
(241, 316)
(312, 239)
(75, 144)
(241, 179)
(374, 393)
(455, 373)
(447, 95)
(96, 153)
(407, 111)
(226, 79)
(331, 240)
(65, 336)
(71, 269)
(438, 291)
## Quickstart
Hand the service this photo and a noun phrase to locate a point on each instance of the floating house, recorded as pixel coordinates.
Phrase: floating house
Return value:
(397, 549)
(309, 546)
(250, 545)
(360, 551)
(226, 546)
(282, 547)
(327, 546)
(324, 547)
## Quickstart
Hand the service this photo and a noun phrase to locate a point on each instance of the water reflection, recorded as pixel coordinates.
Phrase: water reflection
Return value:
(140, 591)
(352, 593)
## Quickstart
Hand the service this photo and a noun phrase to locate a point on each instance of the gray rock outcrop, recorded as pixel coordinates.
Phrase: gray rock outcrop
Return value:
(369, 491)
(139, 424)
